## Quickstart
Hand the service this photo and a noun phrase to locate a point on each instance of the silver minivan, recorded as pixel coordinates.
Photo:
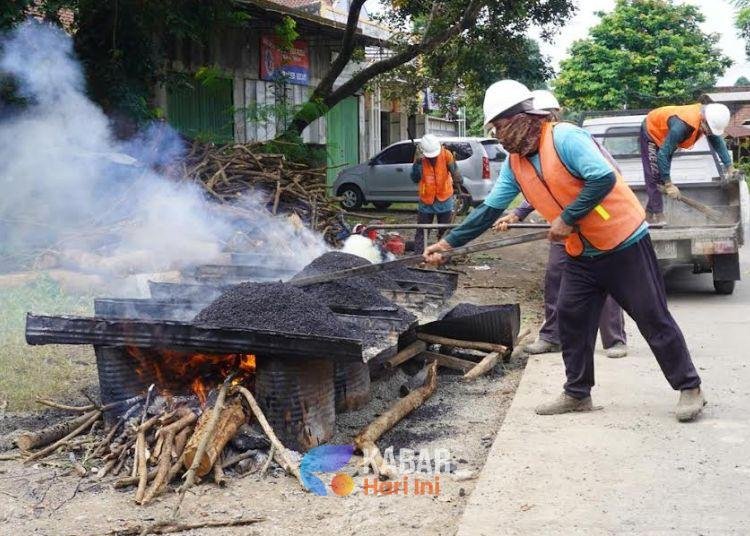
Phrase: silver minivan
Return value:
(386, 178)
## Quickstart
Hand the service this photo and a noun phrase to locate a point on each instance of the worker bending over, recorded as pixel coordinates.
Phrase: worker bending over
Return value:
(564, 175)
(437, 175)
(671, 127)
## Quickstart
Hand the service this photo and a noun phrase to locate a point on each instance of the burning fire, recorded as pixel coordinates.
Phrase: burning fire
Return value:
(183, 372)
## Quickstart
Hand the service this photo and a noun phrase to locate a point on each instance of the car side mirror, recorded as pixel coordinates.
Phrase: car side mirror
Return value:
(371, 162)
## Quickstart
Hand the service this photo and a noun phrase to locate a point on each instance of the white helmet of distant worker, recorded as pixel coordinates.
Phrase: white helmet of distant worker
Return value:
(545, 100)
(506, 96)
(717, 116)
(430, 145)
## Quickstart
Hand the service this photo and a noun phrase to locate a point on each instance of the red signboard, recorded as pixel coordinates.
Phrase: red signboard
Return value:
(292, 66)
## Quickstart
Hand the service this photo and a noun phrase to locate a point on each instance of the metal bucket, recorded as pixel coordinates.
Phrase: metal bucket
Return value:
(351, 383)
(297, 397)
(118, 378)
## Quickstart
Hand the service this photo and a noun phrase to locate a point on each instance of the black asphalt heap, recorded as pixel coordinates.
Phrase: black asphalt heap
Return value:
(272, 306)
(334, 261)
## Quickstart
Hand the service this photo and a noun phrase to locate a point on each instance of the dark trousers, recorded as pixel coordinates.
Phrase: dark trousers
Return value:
(423, 217)
(649, 152)
(611, 320)
(632, 277)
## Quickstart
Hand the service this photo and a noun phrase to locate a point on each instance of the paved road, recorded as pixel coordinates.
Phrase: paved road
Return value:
(631, 468)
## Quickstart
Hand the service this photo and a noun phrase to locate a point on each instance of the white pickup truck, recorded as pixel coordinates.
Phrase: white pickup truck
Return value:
(689, 238)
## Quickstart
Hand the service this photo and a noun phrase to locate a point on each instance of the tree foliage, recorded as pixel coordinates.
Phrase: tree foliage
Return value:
(645, 53)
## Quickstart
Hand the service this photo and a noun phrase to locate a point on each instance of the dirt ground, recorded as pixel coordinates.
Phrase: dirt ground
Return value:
(46, 499)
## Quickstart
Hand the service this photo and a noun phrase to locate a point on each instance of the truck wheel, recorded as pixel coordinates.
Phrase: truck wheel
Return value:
(724, 287)
(381, 205)
(351, 197)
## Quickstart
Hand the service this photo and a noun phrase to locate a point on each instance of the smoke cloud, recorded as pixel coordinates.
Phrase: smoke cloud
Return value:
(67, 185)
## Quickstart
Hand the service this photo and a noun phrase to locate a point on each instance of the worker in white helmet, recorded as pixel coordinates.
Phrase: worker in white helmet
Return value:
(438, 178)
(612, 319)
(665, 130)
(562, 172)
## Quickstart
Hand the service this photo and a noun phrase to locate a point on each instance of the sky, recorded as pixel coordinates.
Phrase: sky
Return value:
(719, 19)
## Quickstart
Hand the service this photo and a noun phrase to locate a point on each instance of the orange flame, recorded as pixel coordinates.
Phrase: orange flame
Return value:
(180, 372)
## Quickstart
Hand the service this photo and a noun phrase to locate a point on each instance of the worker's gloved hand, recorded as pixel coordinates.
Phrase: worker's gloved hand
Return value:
(733, 174)
(501, 224)
(671, 190)
(432, 254)
(559, 230)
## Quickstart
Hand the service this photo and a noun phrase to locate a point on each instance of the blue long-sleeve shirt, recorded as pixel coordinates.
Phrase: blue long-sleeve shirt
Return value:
(679, 131)
(581, 156)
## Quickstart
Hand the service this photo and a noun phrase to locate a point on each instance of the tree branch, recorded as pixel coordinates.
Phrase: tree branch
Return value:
(345, 54)
(330, 97)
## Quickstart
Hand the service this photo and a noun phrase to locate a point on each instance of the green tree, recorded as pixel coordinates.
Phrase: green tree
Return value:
(742, 81)
(645, 53)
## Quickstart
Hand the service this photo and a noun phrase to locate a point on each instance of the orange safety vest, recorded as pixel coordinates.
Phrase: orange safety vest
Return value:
(436, 182)
(658, 129)
(611, 222)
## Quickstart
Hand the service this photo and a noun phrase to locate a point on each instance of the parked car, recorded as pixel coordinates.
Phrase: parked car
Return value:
(386, 177)
(689, 238)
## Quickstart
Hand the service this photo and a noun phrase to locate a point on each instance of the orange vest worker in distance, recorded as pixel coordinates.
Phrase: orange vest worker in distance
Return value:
(437, 181)
(437, 177)
(608, 225)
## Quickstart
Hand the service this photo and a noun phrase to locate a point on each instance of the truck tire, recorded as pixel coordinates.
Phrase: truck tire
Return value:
(724, 287)
(351, 197)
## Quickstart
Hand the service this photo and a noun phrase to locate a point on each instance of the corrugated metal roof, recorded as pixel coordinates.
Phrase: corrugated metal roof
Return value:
(737, 132)
(734, 96)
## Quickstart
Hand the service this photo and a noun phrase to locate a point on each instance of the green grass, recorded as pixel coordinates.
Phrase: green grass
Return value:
(48, 371)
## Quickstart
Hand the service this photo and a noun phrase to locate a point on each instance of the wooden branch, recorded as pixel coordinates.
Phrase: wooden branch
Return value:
(93, 416)
(64, 407)
(218, 472)
(169, 527)
(366, 439)
(140, 454)
(458, 343)
(31, 440)
(448, 361)
(483, 367)
(276, 445)
(168, 433)
(404, 355)
(201, 447)
(231, 416)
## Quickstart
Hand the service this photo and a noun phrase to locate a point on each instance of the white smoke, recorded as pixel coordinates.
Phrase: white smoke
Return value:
(66, 183)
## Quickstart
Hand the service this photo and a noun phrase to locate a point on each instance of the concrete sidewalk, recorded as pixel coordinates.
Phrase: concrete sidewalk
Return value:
(631, 468)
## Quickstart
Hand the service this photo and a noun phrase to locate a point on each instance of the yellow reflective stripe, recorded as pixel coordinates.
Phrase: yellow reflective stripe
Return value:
(602, 212)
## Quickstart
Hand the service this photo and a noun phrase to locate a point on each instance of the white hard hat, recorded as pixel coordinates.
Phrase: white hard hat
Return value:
(503, 96)
(717, 116)
(430, 145)
(545, 100)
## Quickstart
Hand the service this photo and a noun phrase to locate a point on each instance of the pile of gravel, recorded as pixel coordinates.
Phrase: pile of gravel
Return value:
(334, 261)
(273, 306)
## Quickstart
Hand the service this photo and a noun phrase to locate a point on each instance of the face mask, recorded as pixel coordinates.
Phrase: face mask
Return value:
(521, 133)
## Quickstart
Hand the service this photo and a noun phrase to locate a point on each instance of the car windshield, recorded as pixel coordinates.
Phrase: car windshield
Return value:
(494, 152)
(402, 153)
(622, 142)
(460, 150)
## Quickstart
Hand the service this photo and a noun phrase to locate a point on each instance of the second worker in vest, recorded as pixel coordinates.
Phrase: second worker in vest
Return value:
(563, 174)
(671, 127)
(437, 175)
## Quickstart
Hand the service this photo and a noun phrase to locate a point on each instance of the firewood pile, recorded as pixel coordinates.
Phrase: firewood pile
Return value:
(158, 441)
(228, 172)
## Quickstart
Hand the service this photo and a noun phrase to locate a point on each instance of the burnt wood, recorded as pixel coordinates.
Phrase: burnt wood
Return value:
(42, 329)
